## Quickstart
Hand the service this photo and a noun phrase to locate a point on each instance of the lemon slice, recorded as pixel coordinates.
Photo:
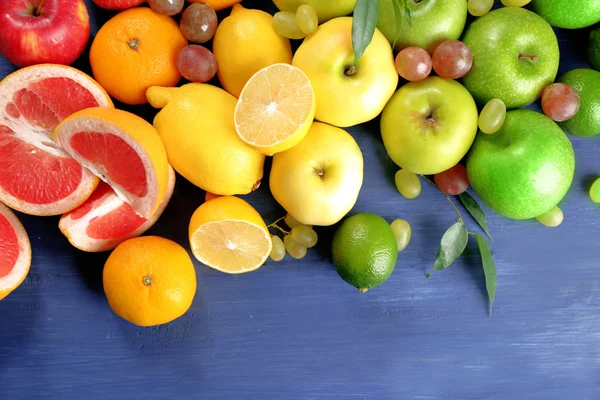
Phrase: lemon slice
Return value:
(275, 109)
(229, 235)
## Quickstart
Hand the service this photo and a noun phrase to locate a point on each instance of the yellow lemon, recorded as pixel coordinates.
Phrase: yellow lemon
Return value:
(244, 43)
(276, 109)
(197, 129)
(229, 235)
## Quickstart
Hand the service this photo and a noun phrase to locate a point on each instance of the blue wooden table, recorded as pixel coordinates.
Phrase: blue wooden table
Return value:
(295, 330)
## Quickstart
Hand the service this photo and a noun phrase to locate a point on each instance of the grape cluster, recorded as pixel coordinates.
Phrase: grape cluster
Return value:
(296, 242)
(296, 25)
(198, 25)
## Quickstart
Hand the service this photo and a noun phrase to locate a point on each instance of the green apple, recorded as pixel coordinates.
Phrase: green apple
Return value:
(569, 14)
(523, 170)
(586, 83)
(431, 22)
(429, 125)
(515, 56)
(326, 9)
(593, 50)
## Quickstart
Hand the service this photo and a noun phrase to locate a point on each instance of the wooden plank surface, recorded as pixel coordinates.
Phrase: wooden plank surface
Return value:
(295, 330)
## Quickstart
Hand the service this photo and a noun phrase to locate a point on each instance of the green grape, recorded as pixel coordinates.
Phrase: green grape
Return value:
(492, 116)
(278, 251)
(291, 221)
(408, 184)
(595, 191)
(284, 23)
(294, 249)
(552, 218)
(477, 8)
(307, 19)
(304, 236)
(515, 3)
(402, 232)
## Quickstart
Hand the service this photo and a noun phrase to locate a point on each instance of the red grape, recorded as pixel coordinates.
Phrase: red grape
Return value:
(413, 63)
(452, 59)
(560, 102)
(196, 63)
(453, 181)
(167, 7)
(199, 23)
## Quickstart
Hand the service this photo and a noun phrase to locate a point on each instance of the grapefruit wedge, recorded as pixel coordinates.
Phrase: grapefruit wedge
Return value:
(104, 221)
(15, 252)
(36, 176)
(122, 149)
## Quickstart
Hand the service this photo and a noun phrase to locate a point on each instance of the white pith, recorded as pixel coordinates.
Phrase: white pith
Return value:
(40, 137)
(75, 230)
(21, 267)
(142, 205)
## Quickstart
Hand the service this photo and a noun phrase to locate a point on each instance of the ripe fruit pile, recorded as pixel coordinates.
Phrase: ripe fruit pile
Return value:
(65, 149)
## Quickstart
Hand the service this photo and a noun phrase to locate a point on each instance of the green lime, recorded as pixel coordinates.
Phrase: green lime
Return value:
(364, 250)
(594, 47)
(587, 84)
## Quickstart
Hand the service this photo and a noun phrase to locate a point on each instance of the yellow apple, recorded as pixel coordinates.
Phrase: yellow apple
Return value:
(347, 94)
(317, 181)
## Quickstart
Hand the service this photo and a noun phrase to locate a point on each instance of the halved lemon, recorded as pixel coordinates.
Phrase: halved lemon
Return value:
(229, 235)
(275, 109)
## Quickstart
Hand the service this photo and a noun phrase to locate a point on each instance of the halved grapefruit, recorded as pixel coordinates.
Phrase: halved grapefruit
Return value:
(122, 149)
(104, 221)
(36, 176)
(15, 252)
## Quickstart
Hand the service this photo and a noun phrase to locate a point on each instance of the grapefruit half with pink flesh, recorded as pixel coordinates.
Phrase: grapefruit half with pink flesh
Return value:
(15, 252)
(123, 150)
(104, 221)
(36, 176)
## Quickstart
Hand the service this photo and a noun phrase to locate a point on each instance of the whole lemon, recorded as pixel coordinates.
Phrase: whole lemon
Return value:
(196, 126)
(245, 43)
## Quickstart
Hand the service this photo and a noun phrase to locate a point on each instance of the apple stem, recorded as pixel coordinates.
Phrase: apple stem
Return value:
(430, 121)
(351, 70)
(529, 57)
(134, 44)
(38, 9)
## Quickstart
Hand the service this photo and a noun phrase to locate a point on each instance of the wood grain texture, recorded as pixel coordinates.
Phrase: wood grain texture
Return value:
(294, 330)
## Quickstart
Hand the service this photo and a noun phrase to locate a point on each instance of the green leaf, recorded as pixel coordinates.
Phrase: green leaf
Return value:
(398, 20)
(364, 22)
(489, 268)
(452, 246)
(407, 11)
(476, 212)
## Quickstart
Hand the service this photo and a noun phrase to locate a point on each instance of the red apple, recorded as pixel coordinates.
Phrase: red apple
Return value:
(43, 31)
(118, 4)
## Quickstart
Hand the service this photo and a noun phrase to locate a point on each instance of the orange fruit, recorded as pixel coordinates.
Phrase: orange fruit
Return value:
(229, 235)
(37, 177)
(136, 49)
(104, 220)
(15, 250)
(122, 149)
(217, 4)
(276, 109)
(149, 280)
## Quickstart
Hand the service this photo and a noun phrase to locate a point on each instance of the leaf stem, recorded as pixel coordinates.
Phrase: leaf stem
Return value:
(447, 198)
